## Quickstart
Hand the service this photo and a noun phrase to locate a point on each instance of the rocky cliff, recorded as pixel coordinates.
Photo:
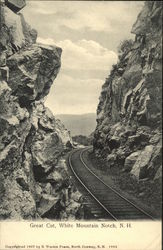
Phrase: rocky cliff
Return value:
(33, 178)
(128, 132)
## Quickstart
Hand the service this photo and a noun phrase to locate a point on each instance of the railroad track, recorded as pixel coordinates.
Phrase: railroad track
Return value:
(103, 201)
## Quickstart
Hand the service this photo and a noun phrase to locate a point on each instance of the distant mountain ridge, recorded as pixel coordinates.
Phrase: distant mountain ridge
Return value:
(83, 124)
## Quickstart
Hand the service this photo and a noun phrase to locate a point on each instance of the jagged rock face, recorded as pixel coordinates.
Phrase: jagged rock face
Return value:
(33, 178)
(35, 70)
(129, 111)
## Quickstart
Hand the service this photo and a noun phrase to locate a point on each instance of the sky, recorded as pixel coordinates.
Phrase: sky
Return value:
(89, 33)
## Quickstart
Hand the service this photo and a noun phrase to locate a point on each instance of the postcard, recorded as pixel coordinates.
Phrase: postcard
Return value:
(80, 125)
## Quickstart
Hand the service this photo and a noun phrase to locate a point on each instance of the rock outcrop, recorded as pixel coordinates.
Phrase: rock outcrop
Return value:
(33, 178)
(128, 132)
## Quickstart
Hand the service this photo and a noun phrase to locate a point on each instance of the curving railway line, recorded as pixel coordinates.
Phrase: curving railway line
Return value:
(104, 201)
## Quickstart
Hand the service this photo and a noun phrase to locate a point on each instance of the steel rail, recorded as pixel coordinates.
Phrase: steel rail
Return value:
(113, 190)
(96, 199)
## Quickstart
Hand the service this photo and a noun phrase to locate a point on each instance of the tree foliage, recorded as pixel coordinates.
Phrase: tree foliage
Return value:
(125, 46)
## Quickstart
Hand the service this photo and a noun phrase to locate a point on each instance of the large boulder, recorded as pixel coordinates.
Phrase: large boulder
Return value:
(156, 160)
(32, 72)
(130, 161)
(45, 152)
(46, 203)
(139, 169)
